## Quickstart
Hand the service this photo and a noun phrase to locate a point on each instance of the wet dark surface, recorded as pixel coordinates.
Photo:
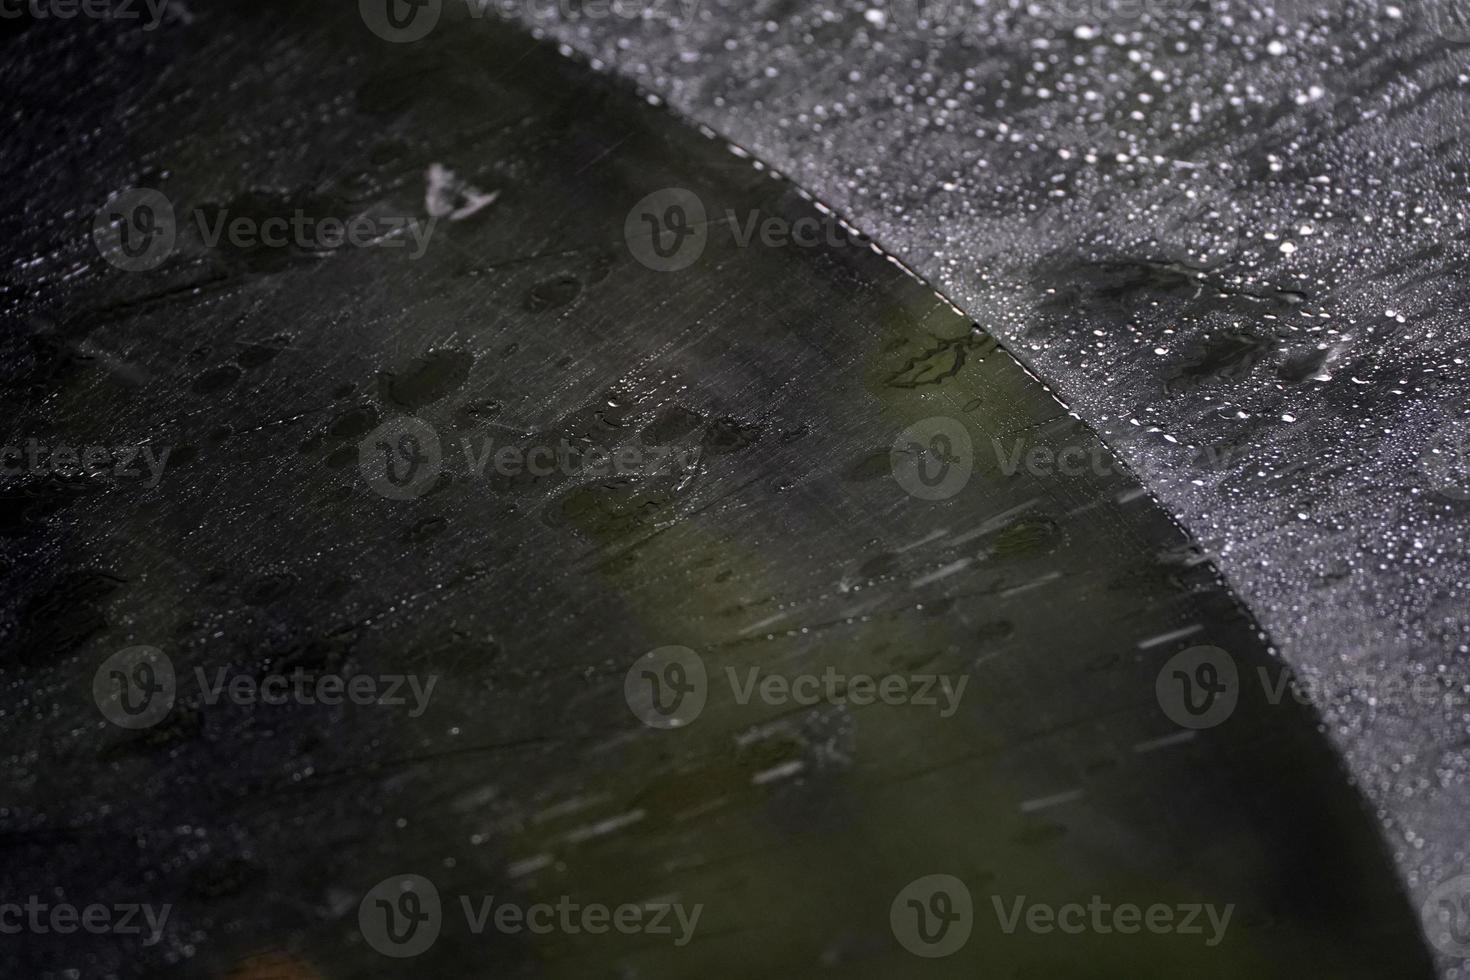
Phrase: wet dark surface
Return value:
(771, 384)
(1300, 404)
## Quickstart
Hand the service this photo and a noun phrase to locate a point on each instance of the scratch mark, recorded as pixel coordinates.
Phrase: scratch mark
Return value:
(1169, 637)
(1046, 802)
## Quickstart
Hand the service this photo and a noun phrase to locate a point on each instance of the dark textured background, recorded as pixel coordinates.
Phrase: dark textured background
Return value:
(1128, 249)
